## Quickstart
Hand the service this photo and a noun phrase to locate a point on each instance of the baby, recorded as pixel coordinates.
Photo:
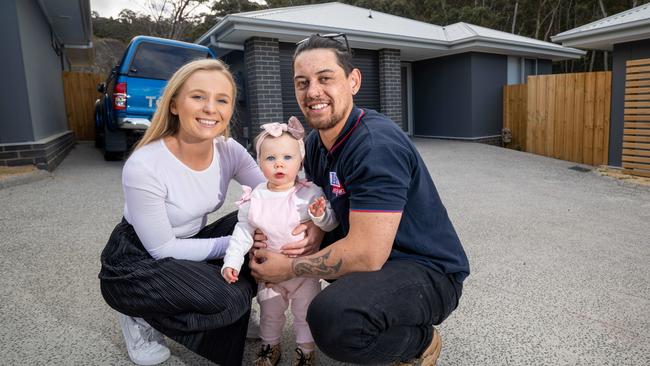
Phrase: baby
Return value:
(276, 207)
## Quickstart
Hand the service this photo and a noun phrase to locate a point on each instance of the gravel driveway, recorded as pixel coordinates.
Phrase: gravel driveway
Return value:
(560, 263)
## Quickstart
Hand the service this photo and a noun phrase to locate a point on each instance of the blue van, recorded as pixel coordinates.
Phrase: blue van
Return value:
(131, 91)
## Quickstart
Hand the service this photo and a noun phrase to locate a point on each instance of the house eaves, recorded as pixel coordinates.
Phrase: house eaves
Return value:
(71, 24)
(429, 41)
(234, 30)
(472, 38)
(627, 26)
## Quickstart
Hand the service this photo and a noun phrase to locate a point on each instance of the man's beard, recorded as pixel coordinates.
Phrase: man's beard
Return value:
(323, 125)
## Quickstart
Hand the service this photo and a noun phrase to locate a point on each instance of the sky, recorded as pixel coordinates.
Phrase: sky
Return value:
(111, 8)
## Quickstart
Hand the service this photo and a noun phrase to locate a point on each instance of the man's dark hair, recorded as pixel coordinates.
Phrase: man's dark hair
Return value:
(337, 43)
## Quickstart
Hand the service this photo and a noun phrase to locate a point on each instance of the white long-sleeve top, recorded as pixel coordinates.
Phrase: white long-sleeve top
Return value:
(241, 240)
(167, 202)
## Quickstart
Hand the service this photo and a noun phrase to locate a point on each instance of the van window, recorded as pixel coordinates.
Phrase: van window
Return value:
(159, 61)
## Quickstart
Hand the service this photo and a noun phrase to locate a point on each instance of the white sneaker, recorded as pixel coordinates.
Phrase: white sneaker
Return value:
(253, 331)
(146, 346)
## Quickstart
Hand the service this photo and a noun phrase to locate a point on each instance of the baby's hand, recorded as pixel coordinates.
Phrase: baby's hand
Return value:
(230, 275)
(317, 208)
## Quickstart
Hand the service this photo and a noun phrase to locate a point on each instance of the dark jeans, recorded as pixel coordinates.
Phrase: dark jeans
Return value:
(188, 301)
(382, 316)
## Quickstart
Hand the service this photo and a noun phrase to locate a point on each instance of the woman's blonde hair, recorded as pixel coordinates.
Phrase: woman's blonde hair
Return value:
(164, 123)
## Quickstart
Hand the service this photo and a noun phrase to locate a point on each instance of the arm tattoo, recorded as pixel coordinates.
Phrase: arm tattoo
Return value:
(315, 266)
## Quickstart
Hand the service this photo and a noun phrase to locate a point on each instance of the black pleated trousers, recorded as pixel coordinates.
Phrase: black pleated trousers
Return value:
(187, 301)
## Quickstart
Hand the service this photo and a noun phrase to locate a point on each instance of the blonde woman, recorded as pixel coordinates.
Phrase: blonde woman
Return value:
(161, 267)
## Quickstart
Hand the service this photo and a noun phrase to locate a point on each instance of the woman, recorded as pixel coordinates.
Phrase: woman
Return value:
(159, 268)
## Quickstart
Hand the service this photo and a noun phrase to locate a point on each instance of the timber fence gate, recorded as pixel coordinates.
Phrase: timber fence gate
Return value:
(564, 116)
(636, 128)
(80, 90)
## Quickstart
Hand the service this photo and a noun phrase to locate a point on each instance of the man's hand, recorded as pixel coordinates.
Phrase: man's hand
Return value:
(270, 267)
(259, 240)
(309, 245)
(230, 275)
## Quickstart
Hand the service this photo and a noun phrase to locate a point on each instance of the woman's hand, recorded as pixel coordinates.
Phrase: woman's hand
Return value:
(309, 245)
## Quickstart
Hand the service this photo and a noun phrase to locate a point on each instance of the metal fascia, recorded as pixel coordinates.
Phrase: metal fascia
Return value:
(479, 45)
(565, 52)
(215, 29)
(592, 32)
(609, 39)
(225, 45)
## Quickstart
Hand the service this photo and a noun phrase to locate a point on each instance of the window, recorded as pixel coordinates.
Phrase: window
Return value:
(519, 68)
(160, 61)
(530, 67)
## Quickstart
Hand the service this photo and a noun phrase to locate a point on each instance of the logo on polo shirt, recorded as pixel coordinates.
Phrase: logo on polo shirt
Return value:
(337, 188)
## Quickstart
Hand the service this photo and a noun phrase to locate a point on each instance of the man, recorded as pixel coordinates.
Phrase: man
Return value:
(396, 258)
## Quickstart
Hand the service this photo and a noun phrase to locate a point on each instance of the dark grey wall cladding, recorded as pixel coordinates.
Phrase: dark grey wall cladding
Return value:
(46, 156)
(442, 96)
(367, 97)
(16, 123)
(622, 53)
(42, 72)
(459, 96)
(489, 75)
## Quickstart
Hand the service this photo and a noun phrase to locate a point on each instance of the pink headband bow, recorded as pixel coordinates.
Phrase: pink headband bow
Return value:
(275, 129)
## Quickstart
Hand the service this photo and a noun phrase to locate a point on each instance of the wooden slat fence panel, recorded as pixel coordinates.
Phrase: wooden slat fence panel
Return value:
(572, 126)
(514, 114)
(560, 117)
(567, 115)
(532, 134)
(578, 118)
(636, 132)
(80, 90)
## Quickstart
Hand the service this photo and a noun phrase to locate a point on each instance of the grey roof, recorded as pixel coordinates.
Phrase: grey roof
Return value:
(627, 26)
(370, 29)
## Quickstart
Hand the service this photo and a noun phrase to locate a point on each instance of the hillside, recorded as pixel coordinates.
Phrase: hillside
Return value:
(108, 52)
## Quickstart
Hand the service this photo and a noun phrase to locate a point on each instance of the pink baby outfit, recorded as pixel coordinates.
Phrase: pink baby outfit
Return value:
(277, 214)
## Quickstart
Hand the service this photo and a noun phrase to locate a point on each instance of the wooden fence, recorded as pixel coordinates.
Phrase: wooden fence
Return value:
(636, 129)
(515, 114)
(80, 90)
(566, 116)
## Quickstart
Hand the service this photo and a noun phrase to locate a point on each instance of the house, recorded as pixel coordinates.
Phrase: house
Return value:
(443, 82)
(41, 39)
(627, 36)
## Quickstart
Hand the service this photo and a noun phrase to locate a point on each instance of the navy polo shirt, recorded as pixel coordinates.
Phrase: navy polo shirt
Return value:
(374, 167)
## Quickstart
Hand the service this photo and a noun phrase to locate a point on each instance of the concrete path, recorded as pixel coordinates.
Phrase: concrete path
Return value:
(560, 263)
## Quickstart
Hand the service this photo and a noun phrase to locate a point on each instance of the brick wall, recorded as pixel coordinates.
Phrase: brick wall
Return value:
(46, 155)
(390, 84)
(264, 89)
